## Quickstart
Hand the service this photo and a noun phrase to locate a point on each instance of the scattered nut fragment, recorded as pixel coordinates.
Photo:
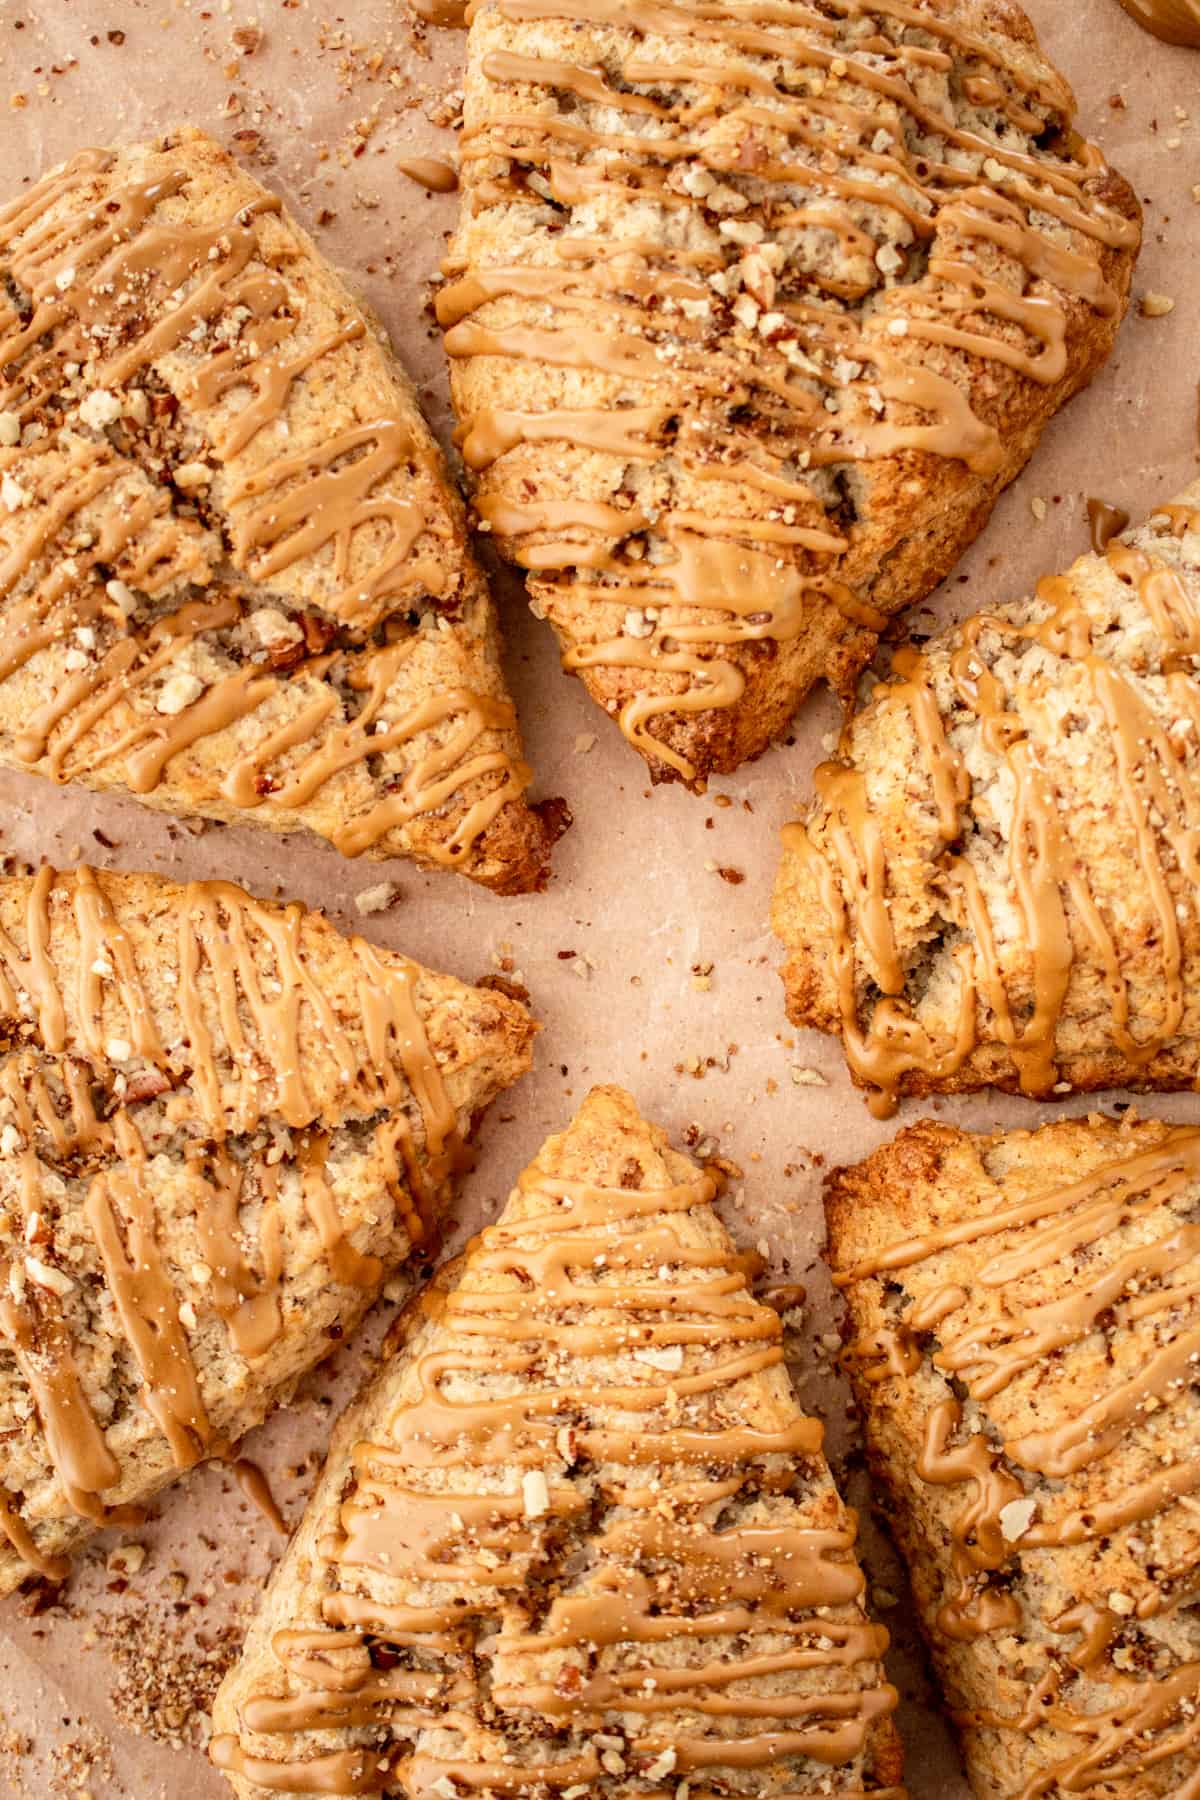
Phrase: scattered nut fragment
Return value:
(122, 594)
(126, 1559)
(1156, 306)
(1037, 507)
(535, 1494)
(1016, 1518)
(1120, 1603)
(190, 477)
(53, 1280)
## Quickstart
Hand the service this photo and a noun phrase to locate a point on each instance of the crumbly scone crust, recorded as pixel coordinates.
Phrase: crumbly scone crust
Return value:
(234, 575)
(1023, 1326)
(996, 884)
(222, 1126)
(750, 319)
(576, 1534)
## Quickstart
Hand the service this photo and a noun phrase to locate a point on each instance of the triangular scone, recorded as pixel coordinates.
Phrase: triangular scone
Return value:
(577, 1537)
(996, 884)
(1024, 1324)
(234, 578)
(222, 1126)
(752, 313)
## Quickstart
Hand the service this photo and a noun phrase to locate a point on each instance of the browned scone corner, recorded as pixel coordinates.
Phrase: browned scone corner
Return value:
(751, 315)
(1023, 1332)
(222, 1127)
(577, 1536)
(234, 574)
(996, 884)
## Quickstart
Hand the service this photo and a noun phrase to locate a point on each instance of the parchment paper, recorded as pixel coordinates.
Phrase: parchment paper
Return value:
(616, 954)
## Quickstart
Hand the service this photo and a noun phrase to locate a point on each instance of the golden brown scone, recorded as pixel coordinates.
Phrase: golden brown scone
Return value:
(996, 882)
(753, 313)
(234, 577)
(222, 1127)
(1024, 1326)
(577, 1536)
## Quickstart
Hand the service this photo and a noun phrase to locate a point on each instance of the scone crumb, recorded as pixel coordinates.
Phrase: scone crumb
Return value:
(1156, 306)
(100, 408)
(10, 428)
(12, 495)
(1037, 507)
(804, 1077)
(178, 693)
(376, 899)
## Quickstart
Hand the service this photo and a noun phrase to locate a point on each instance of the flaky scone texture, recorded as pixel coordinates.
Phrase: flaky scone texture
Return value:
(996, 884)
(752, 313)
(1023, 1326)
(234, 576)
(577, 1535)
(222, 1127)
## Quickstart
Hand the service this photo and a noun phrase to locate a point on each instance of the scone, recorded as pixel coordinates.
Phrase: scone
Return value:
(577, 1536)
(222, 1127)
(752, 313)
(1024, 1325)
(234, 577)
(996, 884)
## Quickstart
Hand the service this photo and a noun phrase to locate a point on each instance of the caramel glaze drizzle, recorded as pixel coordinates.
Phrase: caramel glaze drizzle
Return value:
(1174, 21)
(825, 140)
(1060, 916)
(242, 971)
(112, 287)
(1117, 1252)
(590, 1273)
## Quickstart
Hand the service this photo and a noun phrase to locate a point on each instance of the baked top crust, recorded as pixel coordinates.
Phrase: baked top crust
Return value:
(234, 576)
(752, 313)
(222, 1127)
(577, 1534)
(1023, 1324)
(996, 884)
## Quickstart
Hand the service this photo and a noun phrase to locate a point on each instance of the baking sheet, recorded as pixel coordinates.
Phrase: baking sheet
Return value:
(649, 959)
